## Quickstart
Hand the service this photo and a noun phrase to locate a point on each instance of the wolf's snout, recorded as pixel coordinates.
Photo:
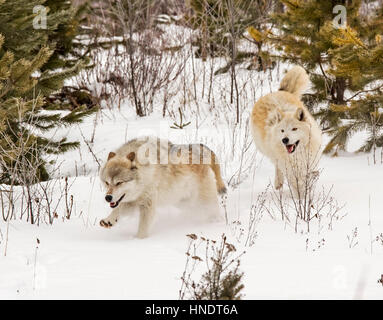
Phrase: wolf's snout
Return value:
(285, 140)
(108, 198)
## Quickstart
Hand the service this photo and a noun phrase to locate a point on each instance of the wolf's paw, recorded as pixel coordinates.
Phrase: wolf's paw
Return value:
(278, 185)
(142, 235)
(106, 223)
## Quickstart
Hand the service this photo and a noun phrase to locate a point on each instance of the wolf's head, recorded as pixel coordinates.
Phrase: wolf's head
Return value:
(290, 130)
(121, 179)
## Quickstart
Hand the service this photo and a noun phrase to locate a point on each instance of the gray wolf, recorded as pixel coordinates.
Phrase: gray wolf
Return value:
(149, 172)
(285, 131)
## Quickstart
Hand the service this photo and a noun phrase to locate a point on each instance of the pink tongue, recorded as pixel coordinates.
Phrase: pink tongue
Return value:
(291, 148)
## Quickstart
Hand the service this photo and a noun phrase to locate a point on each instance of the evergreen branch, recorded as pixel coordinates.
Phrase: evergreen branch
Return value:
(364, 91)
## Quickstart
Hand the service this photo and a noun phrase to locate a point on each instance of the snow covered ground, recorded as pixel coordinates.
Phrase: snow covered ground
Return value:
(75, 258)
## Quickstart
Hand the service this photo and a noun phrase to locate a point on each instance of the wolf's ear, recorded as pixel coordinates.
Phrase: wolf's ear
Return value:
(131, 156)
(300, 114)
(275, 118)
(111, 155)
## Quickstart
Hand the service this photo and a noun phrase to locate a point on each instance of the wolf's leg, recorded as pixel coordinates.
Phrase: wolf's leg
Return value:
(112, 219)
(296, 186)
(298, 190)
(147, 211)
(278, 178)
(208, 197)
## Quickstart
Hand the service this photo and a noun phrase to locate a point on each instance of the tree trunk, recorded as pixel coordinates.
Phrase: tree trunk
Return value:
(337, 90)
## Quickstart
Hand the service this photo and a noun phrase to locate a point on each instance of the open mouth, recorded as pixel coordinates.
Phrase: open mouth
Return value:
(291, 147)
(115, 204)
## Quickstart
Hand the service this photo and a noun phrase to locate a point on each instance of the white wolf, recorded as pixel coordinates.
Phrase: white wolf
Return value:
(149, 172)
(285, 131)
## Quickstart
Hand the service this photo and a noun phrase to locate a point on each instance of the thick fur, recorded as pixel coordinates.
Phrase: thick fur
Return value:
(295, 81)
(147, 179)
(279, 116)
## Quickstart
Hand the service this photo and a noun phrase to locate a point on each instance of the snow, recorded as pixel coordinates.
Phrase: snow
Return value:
(77, 259)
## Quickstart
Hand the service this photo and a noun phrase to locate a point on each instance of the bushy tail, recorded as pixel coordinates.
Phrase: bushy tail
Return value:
(221, 188)
(295, 81)
(205, 153)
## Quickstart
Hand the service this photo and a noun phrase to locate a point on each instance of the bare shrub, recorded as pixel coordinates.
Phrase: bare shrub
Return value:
(320, 206)
(379, 238)
(248, 233)
(222, 279)
(246, 163)
(23, 197)
(353, 238)
(220, 31)
(307, 201)
(37, 203)
(141, 62)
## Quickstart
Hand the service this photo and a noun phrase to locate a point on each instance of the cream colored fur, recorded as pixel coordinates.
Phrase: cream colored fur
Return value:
(279, 116)
(295, 81)
(131, 174)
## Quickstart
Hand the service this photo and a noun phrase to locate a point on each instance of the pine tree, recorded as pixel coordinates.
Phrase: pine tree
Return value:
(16, 79)
(63, 25)
(361, 63)
(34, 65)
(305, 34)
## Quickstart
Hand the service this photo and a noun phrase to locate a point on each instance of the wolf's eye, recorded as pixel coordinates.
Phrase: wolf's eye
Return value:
(106, 183)
(118, 183)
(294, 129)
(282, 130)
